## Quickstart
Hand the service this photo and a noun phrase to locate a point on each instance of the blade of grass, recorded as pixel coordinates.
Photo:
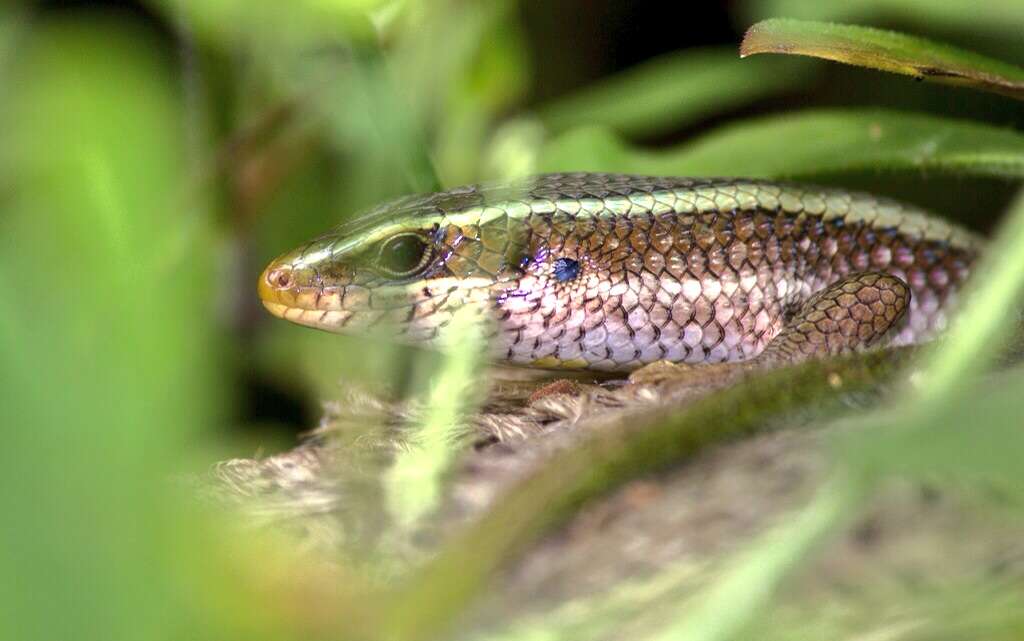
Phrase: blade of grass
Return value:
(413, 483)
(983, 326)
(806, 144)
(885, 51)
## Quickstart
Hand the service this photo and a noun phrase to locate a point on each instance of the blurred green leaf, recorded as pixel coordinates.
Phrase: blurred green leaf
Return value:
(12, 19)
(107, 352)
(806, 144)
(982, 328)
(374, 123)
(310, 362)
(627, 445)
(492, 81)
(886, 51)
(327, 61)
(672, 91)
(414, 481)
(972, 441)
(436, 60)
(512, 152)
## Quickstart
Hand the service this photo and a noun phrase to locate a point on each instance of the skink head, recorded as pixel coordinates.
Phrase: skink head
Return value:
(406, 266)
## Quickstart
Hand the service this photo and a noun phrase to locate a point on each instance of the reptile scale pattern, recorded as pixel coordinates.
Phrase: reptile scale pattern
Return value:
(610, 272)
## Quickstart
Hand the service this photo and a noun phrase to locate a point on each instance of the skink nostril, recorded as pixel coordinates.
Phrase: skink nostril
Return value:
(280, 278)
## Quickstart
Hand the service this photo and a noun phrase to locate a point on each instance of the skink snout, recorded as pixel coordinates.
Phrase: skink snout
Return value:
(307, 287)
(274, 280)
(282, 284)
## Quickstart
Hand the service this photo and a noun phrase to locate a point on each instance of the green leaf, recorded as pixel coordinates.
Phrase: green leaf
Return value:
(414, 481)
(108, 357)
(806, 144)
(970, 439)
(886, 51)
(671, 91)
(983, 326)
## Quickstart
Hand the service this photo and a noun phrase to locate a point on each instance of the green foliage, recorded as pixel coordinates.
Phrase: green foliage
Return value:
(818, 143)
(105, 332)
(885, 50)
(414, 481)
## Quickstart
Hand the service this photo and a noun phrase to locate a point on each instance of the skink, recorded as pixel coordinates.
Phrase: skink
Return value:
(611, 272)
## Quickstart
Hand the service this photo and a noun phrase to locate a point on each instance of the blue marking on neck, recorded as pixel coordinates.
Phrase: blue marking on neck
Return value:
(566, 269)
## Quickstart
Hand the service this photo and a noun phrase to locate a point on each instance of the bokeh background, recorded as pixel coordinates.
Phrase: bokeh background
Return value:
(156, 155)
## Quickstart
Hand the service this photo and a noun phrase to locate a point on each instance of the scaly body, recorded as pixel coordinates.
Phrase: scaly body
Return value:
(611, 272)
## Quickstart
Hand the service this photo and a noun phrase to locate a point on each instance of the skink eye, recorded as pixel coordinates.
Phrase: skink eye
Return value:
(403, 255)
